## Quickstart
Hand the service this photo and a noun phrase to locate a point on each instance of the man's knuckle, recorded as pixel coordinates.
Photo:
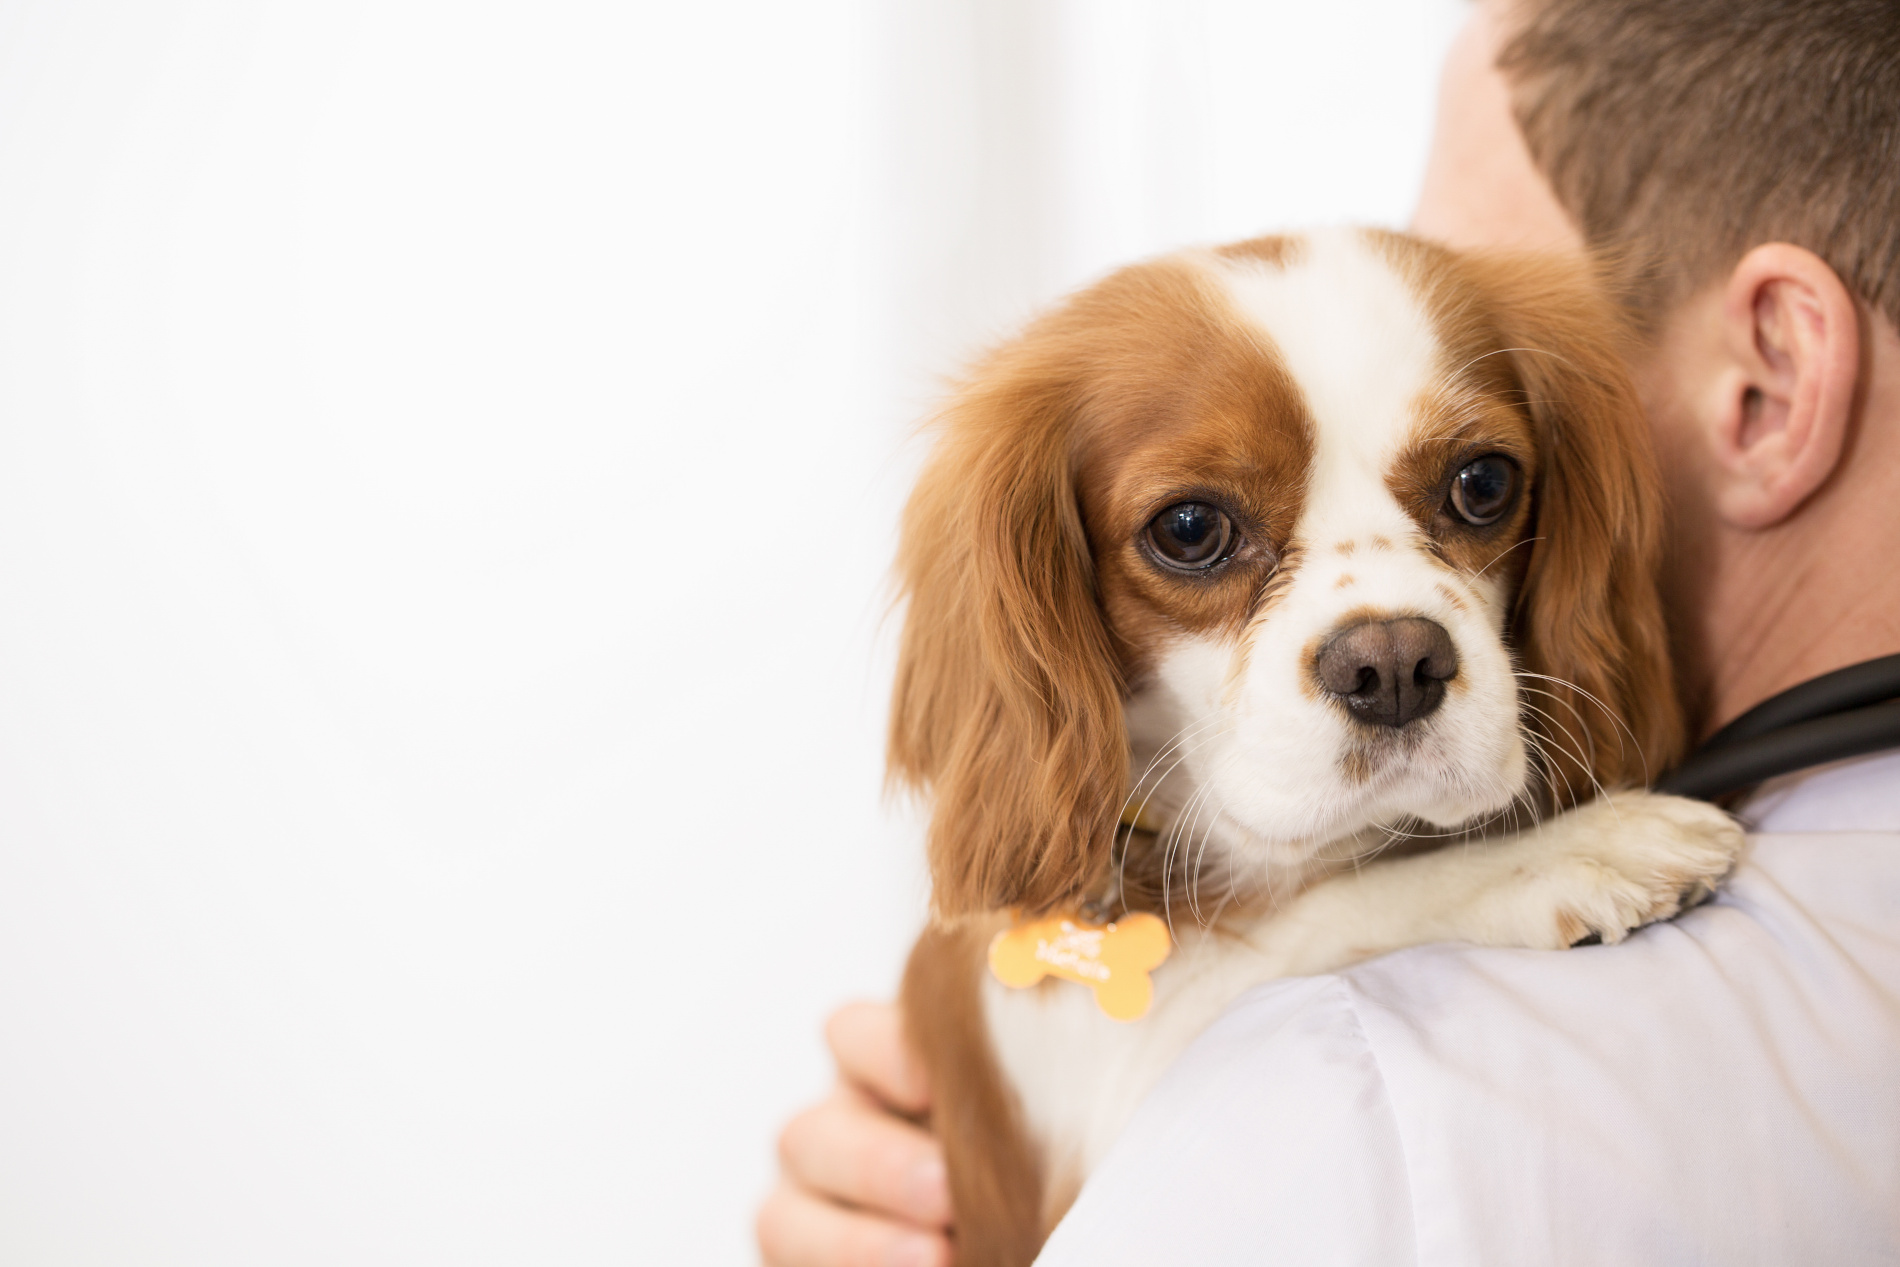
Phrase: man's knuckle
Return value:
(866, 1244)
(769, 1227)
(838, 1028)
(795, 1140)
(863, 1172)
(885, 1165)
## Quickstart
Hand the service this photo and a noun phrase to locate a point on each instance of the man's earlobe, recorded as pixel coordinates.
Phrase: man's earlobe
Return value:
(1791, 342)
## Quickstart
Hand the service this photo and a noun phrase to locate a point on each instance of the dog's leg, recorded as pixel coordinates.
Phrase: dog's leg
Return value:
(995, 1187)
(1622, 861)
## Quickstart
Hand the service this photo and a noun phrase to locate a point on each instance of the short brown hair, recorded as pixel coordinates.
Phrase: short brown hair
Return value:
(1681, 133)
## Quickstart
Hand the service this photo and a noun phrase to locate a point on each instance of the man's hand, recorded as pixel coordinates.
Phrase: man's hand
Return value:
(861, 1185)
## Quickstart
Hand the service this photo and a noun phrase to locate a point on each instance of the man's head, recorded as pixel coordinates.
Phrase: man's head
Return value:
(1736, 165)
(1674, 135)
(1681, 133)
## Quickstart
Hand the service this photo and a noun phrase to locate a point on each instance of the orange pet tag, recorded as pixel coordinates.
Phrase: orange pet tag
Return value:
(1112, 959)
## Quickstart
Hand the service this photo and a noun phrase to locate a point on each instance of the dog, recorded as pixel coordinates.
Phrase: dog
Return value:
(1237, 569)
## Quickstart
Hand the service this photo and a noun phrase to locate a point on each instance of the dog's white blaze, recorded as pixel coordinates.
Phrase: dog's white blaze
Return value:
(1355, 338)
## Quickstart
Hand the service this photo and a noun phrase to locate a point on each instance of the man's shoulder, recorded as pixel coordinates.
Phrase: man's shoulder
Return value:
(1644, 1101)
(1799, 910)
(1804, 916)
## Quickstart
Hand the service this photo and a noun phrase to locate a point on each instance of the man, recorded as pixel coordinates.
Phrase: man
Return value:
(1721, 1089)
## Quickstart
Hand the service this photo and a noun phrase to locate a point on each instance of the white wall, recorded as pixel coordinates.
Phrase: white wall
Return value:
(448, 459)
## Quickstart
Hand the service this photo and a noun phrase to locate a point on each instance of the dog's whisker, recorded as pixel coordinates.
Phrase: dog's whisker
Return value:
(1576, 748)
(1581, 723)
(1181, 750)
(1601, 792)
(1180, 737)
(1183, 836)
(1522, 797)
(1208, 733)
(1540, 748)
(1180, 744)
(1607, 712)
(1200, 862)
(1199, 858)
(1575, 751)
(1180, 840)
(1506, 550)
(1501, 352)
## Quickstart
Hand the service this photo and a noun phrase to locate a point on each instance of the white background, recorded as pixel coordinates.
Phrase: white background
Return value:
(449, 455)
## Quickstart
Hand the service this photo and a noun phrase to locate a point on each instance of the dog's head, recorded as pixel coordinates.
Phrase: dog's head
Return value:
(1352, 530)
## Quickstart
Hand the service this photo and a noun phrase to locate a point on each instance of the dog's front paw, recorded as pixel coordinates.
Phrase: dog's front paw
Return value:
(1616, 864)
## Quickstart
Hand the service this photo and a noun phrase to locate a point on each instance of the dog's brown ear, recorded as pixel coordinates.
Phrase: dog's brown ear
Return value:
(1589, 619)
(1007, 706)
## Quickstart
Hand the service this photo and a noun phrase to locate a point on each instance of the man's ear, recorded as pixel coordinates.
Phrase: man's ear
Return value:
(1777, 415)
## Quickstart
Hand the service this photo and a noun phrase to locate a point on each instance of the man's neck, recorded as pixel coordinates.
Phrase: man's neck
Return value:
(1796, 614)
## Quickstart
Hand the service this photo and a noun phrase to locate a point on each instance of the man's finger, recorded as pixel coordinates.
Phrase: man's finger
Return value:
(867, 1040)
(852, 1150)
(796, 1229)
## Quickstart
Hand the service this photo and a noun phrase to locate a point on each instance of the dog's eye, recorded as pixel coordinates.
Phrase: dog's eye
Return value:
(1482, 491)
(1191, 536)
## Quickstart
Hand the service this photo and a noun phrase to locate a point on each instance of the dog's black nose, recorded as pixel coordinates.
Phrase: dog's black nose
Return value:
(1389, 671)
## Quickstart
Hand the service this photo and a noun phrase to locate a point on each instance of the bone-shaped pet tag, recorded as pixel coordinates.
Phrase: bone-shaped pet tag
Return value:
(1112, 959)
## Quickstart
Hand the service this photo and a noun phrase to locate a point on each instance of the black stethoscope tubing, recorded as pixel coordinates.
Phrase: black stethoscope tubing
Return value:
(1848, 713)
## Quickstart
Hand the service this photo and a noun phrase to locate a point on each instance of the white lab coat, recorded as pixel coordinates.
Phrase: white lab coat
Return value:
(1717, 1090)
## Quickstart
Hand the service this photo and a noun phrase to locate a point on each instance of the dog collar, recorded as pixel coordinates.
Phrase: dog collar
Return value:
(1112, 957)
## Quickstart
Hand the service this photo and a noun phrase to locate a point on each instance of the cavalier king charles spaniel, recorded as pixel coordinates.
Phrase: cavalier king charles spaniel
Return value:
(1238, 586)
